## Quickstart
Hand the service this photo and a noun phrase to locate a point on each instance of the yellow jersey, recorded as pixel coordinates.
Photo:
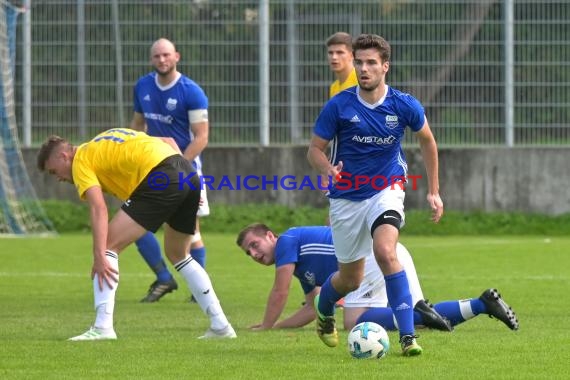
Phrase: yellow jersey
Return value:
(117, 160)
(337, 87)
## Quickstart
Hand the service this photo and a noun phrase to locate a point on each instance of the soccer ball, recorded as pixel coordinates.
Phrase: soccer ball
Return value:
(368, 340)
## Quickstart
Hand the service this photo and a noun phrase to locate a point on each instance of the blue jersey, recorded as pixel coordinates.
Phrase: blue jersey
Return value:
(165, 109)
(367, 139)
(311, 249)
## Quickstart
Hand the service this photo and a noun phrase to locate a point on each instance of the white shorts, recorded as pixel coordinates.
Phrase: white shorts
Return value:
(351, 222)
(204, 207)
(372, 290)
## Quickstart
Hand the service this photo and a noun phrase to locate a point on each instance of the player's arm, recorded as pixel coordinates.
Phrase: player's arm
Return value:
(317, 157)
(99, 217)
(138, 123)
(428, 148)
(278, 296)
(200, 130)
(304, 315)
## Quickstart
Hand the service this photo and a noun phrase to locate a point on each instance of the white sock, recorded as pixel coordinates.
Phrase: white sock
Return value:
(465, 309)
(201, 287)
(105, 299)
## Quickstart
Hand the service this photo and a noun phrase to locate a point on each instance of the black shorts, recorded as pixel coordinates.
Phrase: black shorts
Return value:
(170, 194)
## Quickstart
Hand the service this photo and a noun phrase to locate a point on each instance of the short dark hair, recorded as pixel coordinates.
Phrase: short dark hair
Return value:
(258, 229)
(340, 38)
(373, 41)
(48, 147)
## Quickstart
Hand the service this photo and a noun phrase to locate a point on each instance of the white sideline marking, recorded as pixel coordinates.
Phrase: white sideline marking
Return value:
(63, 274)
(444, 243)
(502, 277)
(140, 275)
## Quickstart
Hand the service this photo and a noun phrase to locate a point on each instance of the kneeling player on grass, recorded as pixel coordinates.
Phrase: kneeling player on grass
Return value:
(308, 254)
(147, 173)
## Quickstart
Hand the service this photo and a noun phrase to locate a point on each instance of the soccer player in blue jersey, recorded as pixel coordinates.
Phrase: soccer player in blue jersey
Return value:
(368, 169)
(169, 104)
(307, 253)
(123, 162)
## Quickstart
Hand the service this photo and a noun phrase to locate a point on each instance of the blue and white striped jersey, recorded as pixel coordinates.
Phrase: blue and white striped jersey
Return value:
(311, 249)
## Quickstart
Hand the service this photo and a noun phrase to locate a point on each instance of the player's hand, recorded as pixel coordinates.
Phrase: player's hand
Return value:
(105, 273)
(257, 327)
(333, 175)
(334, 172)
(436, 205)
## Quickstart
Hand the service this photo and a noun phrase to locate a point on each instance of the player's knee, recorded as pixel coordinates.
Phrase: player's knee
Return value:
(385, 254)
(175, 257)
(384, 251)
(350, 315)
(348, 324)
(386, 262)
(117, 243)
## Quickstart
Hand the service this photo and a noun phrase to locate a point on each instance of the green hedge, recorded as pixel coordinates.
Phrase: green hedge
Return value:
(73, 217)
(67, 216)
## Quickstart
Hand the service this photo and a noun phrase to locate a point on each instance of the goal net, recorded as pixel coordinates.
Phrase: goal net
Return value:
(20, 211)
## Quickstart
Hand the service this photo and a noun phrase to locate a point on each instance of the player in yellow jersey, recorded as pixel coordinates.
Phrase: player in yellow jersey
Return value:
(339, 52)
(158, 185)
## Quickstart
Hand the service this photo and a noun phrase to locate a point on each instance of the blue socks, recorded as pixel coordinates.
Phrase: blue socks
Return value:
(400, 300)
(398, 292)
(149, 248)
(460, 311)
(328, 298)
(380, 315)
(455, 311)
(199, 254)
(384, 316)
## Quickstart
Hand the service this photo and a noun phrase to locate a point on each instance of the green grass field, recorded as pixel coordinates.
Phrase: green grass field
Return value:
(46, 297)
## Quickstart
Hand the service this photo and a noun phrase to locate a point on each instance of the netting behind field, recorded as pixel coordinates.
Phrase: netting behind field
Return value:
(20, 210)
(485, 70)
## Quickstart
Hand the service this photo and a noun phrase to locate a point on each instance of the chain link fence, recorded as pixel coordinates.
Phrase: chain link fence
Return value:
(489, 73)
